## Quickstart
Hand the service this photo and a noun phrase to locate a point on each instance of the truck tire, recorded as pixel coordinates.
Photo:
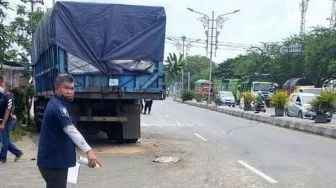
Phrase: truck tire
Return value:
(130, 141)
(38, 110)
(116, 134)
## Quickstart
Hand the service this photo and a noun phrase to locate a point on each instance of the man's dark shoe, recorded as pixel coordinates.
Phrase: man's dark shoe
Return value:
(18, 157)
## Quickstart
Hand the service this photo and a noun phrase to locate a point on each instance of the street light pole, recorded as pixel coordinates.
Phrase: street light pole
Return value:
(211, 45)
(182, 71)
(188, 81)
(206, 23)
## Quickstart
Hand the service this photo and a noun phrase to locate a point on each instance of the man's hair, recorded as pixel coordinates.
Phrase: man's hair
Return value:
(63, 78)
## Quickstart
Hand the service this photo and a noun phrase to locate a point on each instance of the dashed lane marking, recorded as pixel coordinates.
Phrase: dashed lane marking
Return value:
(201, 137)
(269, 179)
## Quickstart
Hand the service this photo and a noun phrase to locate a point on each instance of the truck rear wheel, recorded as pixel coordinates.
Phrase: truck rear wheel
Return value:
(116, 133)
(131, 141)
(39, 107)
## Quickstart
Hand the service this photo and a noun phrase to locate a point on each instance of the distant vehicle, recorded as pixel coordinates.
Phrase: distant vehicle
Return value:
(202, 88)
(231, 85)
(299, 105)
(227, 98)
(309, 89)
(266, 88)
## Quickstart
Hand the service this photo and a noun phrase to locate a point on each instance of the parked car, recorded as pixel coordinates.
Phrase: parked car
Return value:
(227, 98)
(299, 105)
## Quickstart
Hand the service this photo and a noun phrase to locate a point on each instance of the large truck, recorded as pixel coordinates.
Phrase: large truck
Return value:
(201, 87)
(294, 85)
(266, 88)
(115, 54)
(231, 85)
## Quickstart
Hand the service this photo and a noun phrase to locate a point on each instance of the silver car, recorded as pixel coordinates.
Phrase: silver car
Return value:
(227, 98)
(299, 105)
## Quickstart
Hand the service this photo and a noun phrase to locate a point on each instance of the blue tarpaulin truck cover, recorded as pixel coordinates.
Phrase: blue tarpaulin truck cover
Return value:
(101, 33)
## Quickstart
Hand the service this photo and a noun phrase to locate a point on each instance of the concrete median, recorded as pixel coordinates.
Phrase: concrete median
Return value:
(327, 130)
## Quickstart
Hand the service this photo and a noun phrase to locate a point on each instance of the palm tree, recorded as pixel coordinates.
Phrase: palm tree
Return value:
(175, 66)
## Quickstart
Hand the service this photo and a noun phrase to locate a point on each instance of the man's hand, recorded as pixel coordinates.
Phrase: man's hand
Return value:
(93, 160)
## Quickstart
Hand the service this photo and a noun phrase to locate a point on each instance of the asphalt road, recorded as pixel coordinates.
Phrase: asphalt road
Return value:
(215, 150)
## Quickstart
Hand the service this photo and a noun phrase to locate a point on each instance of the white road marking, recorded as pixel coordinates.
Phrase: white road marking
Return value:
(166, 125)
(201, 137)
(269, 179)
(179, 123)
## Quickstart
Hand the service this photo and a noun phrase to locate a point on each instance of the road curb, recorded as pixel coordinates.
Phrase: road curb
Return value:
(277, 121)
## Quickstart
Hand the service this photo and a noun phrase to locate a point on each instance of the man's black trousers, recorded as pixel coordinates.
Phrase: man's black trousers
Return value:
(54, 177)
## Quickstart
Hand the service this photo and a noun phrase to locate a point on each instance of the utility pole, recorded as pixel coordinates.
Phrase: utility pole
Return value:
(182, 71)
(185, 42)
(304, 7)
(211, 46)
(215, 24)
(189, 81)
(332, 18)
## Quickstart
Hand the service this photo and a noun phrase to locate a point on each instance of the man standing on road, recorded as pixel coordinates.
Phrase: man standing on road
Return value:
(56, 151)
(6, 107)
(148, 105)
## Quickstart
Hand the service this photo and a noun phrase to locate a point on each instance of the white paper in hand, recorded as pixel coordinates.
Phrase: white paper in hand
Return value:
(73, 174)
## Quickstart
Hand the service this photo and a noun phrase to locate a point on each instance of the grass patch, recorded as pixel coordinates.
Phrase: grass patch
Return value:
(18, 131)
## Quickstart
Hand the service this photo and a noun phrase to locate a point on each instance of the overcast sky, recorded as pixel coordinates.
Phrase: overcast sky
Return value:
(258, 20)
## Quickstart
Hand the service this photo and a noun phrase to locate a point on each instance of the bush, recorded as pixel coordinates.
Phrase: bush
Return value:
(324, 103)
(20, 103)
(18, 131)
(279, 99)
(187, 95)
(248, 98)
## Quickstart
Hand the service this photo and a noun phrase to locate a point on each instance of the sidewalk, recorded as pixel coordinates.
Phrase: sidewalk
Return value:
(303, 125)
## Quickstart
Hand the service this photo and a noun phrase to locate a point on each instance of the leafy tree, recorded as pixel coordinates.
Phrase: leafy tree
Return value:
(198, 66)
(317, 61)
(23, 27)
(19, 37)
(3, 32)
(320, 55)
(173, 67)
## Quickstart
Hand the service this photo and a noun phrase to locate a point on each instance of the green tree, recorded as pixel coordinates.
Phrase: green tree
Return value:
(198, 66)
(225, 70)
(23, 27)
(320, 55)
(3, 32)
(173, 67)
(20, 37)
